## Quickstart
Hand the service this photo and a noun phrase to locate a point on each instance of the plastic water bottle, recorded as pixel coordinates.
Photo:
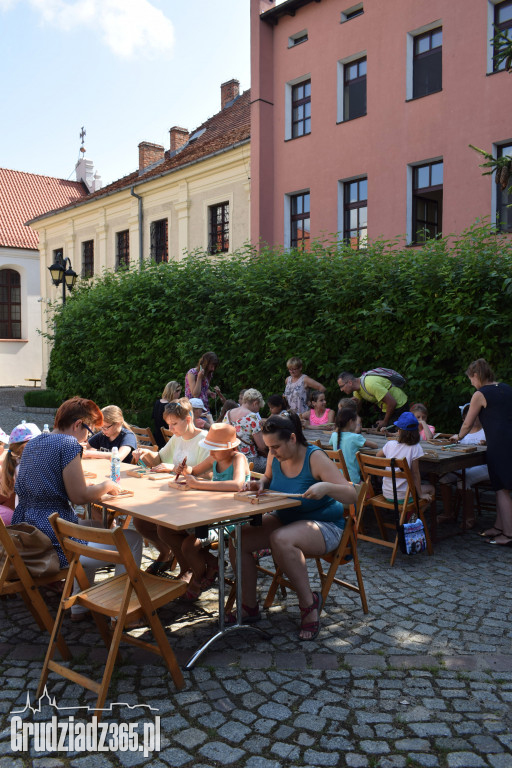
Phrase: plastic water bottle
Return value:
(46, 429)
(115, 466)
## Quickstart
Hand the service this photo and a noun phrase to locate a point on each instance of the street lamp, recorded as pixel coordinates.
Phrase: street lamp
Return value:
(60, 274)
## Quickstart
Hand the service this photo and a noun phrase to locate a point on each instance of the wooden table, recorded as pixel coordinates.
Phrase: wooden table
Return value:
(155, 502)
(437, 462)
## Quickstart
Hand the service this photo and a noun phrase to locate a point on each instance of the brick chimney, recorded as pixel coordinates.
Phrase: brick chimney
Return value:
(149, 154)
(228, 92)
(179, 137)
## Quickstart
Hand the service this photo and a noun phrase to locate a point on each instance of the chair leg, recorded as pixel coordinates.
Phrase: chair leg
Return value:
(165, 649)
(231, 598)
(271, 594)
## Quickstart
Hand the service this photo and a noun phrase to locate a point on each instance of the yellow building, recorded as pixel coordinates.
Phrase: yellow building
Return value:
(196, 195)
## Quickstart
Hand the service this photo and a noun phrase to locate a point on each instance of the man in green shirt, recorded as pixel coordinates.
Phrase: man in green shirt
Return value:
(379, 390)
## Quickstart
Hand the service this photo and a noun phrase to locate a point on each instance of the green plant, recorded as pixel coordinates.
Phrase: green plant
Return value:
(426, 312)
(42, 398)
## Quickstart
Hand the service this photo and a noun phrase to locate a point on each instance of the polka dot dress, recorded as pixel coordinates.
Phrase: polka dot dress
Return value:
(40, 486)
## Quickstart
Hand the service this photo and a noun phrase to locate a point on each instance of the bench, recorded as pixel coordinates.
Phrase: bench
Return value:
(35, 381)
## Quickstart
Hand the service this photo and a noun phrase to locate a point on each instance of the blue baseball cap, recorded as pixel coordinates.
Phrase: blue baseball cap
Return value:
(407, 421)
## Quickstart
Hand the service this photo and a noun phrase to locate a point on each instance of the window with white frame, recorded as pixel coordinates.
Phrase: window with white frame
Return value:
(352, 12)
(88, 258)
(500, 33)
(351, 87)
(218, 235)
(503, 196)
(297, 222)
(424, 64)
(355, 212)
(158, 233)
(298, 107)
(427, 201)
(297, 38)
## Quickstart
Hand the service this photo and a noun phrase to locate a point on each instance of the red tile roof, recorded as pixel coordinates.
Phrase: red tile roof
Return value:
(224, 130)
(26, 195)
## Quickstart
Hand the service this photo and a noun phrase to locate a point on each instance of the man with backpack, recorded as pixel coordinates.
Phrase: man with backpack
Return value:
(381, 386)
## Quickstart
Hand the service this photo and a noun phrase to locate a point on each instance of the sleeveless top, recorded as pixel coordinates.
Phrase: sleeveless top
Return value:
(40, 485)
(205, 386)
(325, 510)
(315, 420)
(496, 419)
(296, 394)
(227, 474)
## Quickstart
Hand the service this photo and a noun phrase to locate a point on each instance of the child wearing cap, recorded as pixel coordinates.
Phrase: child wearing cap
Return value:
(230, 472)
(17, 441)
(202, 419)
(406, 446)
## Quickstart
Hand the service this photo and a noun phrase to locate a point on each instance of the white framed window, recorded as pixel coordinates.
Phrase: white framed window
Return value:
(500, 198)
(298, 38)
(297, 219)
(352, 12)
(297, 107)
(499, 18)
(424, 200)
(424, 60)
(353, 211)
(351, 87)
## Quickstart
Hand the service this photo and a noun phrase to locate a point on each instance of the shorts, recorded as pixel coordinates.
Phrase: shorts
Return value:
(208, 540)
(330, 531)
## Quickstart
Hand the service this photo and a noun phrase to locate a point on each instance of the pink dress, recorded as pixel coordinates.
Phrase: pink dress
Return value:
(315, 420)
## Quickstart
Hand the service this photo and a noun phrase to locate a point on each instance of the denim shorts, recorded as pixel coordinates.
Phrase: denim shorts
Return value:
(330, 531)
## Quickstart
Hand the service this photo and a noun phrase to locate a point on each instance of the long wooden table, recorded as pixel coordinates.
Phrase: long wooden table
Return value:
(178, 509)
(436, 462)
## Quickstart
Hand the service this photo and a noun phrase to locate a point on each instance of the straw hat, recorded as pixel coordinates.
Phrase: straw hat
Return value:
(220, 437)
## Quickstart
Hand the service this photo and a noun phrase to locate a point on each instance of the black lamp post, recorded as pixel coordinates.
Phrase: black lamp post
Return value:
(60, 274)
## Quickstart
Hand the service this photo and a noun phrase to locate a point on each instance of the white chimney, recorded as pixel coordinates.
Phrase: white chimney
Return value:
(84, 170)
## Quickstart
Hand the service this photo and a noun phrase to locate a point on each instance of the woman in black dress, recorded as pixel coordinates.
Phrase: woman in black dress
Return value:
(492, 403)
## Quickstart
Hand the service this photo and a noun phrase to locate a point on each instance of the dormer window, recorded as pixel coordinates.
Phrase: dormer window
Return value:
(352, 12)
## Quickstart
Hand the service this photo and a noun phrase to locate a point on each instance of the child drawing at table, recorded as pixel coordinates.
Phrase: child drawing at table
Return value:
(406, 446)
(427, 431)
(347, 438)
(319, 415)
(278, 405)
(230, 473)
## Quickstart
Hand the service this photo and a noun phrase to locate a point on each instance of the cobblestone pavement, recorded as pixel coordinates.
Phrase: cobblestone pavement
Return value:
(424, 679)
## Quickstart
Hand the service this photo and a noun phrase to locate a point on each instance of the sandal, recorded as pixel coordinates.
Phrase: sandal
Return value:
(191, 595)
(160, 567)
(488, 535)
(311, 626)
(207, 582)
(252, 615)
(507, 543)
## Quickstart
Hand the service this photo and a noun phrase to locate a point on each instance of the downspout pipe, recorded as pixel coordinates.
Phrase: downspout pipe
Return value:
(141, 233)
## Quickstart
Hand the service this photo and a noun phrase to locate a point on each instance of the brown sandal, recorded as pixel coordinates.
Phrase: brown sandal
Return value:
(311, 626)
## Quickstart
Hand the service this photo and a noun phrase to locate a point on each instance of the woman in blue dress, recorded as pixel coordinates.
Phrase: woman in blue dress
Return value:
(310, 530)
(492, 404)
(51, 477)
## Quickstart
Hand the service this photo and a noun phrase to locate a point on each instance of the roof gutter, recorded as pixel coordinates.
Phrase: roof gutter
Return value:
(141, 233)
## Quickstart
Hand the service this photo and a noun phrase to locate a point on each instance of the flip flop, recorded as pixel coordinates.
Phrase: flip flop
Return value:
(159, 567)
(507, 543)
(486, 535)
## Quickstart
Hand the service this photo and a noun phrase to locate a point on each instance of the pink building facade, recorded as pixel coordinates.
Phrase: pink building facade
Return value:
(362, 113)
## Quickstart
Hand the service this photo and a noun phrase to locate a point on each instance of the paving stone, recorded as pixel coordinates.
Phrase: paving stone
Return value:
(190, 738)
(374, 747)
(223, 753)
(356, 761)
(501, 760)
(430, 729)
(313, 757)
(285, 751)
(464, 760)
(234, 732)
(262, 762)
(175, 757)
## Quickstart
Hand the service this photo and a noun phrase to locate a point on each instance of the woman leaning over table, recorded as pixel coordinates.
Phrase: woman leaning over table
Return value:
(184, 444)
(51, 478)
(492, 404)
(114, 433)
(313, 529)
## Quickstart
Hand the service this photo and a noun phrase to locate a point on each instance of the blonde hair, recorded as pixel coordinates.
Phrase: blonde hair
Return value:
(181, 408)
(114, 415)
(295, 362)
(9, 467)
(170, 390)
(253, 394)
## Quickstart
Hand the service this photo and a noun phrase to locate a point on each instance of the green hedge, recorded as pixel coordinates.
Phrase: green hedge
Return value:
(427, 312)
(42, 398)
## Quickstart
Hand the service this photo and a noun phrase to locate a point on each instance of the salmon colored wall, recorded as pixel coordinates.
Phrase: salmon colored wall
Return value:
(473, 107)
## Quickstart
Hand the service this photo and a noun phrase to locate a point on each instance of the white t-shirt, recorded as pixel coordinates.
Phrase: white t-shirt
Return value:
(473, 438)
(177, 449)
(394, 449)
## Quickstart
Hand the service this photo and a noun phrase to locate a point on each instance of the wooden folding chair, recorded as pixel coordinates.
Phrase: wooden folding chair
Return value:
(28, 587)
(345, 552)
(380, 466)
(123, 598)
(167, 433)
(144, 437)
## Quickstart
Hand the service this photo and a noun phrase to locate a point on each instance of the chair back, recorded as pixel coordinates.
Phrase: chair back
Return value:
(144, 437)
(380, 466)
(67, 533)
(167, 433)
(339, 460)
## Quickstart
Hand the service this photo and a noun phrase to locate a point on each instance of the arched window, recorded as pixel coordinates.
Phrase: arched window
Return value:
(10, 304)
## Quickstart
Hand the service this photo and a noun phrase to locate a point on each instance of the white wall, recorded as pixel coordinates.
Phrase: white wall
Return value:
(22, 359)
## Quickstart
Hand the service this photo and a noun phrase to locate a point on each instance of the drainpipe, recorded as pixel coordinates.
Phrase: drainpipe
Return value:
(141, 234)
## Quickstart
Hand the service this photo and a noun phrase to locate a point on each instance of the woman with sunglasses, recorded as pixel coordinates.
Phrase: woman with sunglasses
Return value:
(185, 443)
(115, 433)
